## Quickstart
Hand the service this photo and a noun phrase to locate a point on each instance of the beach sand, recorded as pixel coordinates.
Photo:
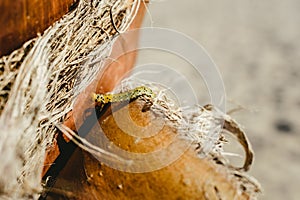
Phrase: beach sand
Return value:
(256, 46)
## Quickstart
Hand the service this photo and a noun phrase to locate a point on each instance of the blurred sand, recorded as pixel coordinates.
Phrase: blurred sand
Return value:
(256, 45)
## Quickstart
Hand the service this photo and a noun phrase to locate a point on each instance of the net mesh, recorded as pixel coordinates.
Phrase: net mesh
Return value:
(38, 86)
(40, 81)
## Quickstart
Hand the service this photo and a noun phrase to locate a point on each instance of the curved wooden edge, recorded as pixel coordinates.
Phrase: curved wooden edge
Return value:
(188, 177)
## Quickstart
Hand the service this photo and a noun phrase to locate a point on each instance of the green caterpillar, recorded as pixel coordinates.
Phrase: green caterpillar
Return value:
(123, 96)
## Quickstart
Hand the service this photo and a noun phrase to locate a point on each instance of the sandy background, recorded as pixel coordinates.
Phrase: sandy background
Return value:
(256, 45)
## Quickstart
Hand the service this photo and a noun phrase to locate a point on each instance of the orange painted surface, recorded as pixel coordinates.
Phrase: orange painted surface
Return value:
(21, 20)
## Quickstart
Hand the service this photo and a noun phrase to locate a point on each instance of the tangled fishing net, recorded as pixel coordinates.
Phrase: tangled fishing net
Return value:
(40, 82)
(38, 85)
